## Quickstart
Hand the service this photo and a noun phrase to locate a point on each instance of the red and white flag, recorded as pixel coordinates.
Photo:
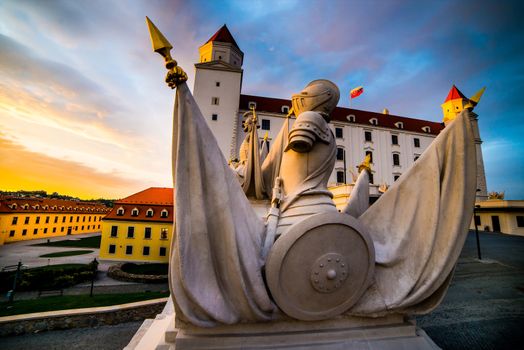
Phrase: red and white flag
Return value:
(356, 92)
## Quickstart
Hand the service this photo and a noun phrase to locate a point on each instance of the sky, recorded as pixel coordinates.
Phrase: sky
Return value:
(84, 109)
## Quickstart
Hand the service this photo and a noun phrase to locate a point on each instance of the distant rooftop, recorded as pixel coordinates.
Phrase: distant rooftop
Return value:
(223, 35)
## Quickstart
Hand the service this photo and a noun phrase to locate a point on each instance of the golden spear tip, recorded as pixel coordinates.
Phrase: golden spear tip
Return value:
(158, 40)
(476, 98)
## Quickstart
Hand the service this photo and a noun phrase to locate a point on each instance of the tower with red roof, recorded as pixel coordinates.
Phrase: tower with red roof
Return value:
(218, 80)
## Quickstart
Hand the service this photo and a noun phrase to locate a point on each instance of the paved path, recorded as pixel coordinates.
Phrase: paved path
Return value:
(483, 309)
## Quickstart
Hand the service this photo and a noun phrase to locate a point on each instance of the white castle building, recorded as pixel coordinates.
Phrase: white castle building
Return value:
(394, 142)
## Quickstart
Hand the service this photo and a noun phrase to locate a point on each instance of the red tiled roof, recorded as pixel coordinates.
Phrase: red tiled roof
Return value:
(454, 93)
(274, 105)
(156, 198)
(223, 35)
(9, 204)
(152, 195)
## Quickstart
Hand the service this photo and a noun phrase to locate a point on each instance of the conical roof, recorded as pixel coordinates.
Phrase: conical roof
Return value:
(454, 94)
(223, 35)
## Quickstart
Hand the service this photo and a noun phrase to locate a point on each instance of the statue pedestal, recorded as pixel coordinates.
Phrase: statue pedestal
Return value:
(390, 332)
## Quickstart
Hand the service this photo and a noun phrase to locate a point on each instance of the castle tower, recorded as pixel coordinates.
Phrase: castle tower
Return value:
(218, 80)
(454, 104)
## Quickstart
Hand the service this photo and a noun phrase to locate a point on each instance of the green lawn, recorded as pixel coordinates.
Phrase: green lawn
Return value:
(67, 253)
(73, 302)
(87, 242)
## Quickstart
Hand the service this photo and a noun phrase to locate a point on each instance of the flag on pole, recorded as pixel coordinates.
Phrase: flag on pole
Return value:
(356, 92)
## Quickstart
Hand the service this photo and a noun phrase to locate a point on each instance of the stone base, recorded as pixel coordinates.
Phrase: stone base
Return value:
(391, 332)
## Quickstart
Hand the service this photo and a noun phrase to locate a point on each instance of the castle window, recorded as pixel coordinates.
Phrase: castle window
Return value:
(394, 139)
(112, 249)
(11, 233)
(134, 212)
(35, 231)
(149, 213)
(266, 124)
(26, 221)
(217, 84)
(163, 233)
(145, 251)
(24, 232)
(373, 121)
(215, 101)
(340, 153)
(77, 218)
(477, 220)
(37, 220)
(520, 221)
(47, 219)
(252, 105)
(162, 251)
(426, 129)
(371, 180)
(163, 213)
(339, 133)
(15, 220)
(351, 118)
(416, 142)
(340, 177)
(147, 233)
(129, 250)
(396, 159)
(120, 211)
(399, 125)
(395, 177)
(416, 158)
(214, 117)
(114, 231)
(131, 232)
(285, 109)
(56, 219)
(45, 230)
(367, 136)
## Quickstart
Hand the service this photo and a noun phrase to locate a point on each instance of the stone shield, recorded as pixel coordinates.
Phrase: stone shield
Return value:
(320, 267)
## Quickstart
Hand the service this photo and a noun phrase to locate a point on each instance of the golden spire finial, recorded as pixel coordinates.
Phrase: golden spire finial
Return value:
(366, 164)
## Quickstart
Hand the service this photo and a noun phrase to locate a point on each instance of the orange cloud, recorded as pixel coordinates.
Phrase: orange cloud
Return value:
(23, 169)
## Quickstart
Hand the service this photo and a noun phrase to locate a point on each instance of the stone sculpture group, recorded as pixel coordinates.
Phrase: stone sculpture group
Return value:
(306, 260)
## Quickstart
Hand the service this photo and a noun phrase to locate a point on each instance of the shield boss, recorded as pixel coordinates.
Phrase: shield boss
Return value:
(320, 267)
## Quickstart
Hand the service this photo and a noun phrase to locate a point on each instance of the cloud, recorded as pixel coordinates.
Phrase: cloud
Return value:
(22, 169)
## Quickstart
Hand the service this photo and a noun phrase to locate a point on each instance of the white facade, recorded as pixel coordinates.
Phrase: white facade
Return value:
(396, 142)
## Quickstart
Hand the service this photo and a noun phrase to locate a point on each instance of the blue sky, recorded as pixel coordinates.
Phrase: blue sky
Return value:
(81, 89)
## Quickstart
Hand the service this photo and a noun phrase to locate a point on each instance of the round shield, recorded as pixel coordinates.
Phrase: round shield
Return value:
(320, 267)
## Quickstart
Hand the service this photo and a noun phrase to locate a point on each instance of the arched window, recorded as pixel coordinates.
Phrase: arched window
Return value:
(373, 121)
(120, 211)
(164, 213)
(396, 159)
(134, 212)
(351, 118)
(285, 109)
(399, 125)
(426, 129)
(149, 213)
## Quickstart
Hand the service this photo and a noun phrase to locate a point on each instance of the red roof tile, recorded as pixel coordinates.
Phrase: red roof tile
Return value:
(274, 105)
(223, 35)
(152, 195)
(454, 93)
(156, 198)
(10, 204)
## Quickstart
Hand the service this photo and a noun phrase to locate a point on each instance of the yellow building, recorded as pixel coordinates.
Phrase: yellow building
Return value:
(139, 228)
(498, 215)
(35, 218)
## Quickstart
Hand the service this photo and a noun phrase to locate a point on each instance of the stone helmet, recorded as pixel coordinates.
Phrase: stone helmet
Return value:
(320, 96)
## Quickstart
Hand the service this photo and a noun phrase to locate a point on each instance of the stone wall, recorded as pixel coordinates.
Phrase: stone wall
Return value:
(78, 318)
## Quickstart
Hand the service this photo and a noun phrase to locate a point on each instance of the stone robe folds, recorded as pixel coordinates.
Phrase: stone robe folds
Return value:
(215, 263)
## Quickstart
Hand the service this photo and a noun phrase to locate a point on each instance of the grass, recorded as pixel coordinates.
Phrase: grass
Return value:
(67, 253)
(54, 303)
(146, 269)
(56, 267)
(86, 242)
